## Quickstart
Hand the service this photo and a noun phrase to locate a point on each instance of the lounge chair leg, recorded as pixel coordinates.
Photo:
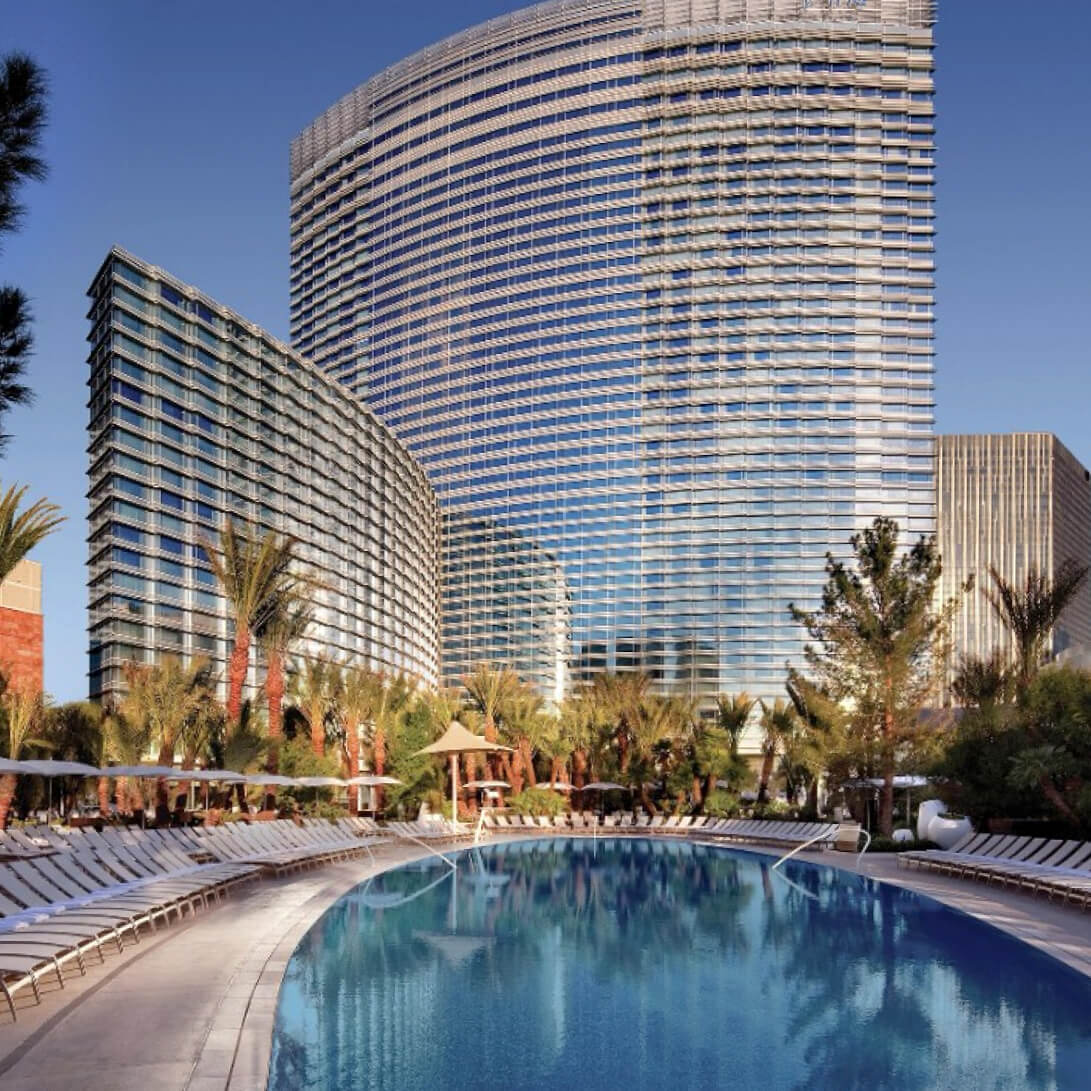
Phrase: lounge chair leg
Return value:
(60, 973)
(10, 999)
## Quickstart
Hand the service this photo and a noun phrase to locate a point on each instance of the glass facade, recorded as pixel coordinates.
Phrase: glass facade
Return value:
(197, 415)
(648, 288)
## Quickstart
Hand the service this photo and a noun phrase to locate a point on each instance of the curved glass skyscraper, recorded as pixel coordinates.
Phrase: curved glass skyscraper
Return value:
(648, 288)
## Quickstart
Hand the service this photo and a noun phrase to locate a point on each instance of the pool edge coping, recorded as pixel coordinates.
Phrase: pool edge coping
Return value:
(254, 1045)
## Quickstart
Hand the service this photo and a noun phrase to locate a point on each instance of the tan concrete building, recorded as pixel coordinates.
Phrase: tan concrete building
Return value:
(21, 627)
(1016, 501)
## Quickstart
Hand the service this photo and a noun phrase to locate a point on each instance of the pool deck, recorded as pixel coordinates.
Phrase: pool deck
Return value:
(192, 1007)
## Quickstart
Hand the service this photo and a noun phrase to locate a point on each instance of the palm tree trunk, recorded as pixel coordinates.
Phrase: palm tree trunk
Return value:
(352, 740)
(528, 762)
(104, 796)
(515, 774)
(766, 775)
(162, 800)
(7, 794)
(237, 669)
(579, 768)
(646, 799)
(886, 793)
(318, 734)
(274, 696)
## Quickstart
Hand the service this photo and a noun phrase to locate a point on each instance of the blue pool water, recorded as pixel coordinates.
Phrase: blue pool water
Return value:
(632, 964)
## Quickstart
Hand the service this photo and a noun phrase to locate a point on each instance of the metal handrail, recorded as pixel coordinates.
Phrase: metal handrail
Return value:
(867, 845)
(799, 848)
(424, 844)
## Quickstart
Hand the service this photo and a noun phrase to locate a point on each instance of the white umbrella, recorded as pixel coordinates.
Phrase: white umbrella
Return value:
(454, 741)
(604, 786)
(270, 778)
(371, 780)
(559, 786)
(320, 782)
(138, 771)
(49, 769)
(475, 784)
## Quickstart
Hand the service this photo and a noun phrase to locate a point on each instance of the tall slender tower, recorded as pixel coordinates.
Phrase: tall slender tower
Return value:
(648, 288)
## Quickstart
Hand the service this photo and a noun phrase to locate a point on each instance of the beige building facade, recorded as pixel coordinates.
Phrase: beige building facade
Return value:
(1018, 501)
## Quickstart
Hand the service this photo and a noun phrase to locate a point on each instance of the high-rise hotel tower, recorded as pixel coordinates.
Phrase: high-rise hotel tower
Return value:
(648, 288)
(196, 417)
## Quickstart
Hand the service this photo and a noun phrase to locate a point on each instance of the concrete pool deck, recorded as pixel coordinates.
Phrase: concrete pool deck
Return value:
(192, 1007)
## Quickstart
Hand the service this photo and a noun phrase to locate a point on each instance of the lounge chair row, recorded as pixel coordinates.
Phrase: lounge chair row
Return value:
(1056, 868)
(85, 890)
(794, 833)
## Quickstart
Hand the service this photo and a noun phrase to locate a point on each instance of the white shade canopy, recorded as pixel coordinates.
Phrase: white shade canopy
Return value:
(320, 782)
(372, 780)
(454, 741)
(50, 768)
(224, 776)
(140, 771)
(272, 779)
(475, 784)
(458, 740)
(9, 766)
(603, 786)
(560, 786)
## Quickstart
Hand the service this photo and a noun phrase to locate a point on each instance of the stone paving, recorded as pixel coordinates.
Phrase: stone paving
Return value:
(192, 1008)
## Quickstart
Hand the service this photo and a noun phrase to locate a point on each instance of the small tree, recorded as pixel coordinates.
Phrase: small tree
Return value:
(778, 724)
(876, 645)
(1030, 612)
(23, 711)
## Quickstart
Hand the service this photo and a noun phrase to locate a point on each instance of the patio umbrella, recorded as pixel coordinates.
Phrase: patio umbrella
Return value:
(371, 780)
(454, 741)
(141, 771)
(474, 784)
(559, 786)
(320, 782)
(207, 776)
(270, 778)
(49, 769)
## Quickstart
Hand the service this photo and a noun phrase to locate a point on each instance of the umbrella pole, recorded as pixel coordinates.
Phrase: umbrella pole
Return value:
(454, 788)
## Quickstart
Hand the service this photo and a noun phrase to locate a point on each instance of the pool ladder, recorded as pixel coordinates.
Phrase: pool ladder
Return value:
(822, 837)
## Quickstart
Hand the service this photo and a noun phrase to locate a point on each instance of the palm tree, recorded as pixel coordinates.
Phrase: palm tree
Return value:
(489, 689)
(732, 716)
(23, 94)
(284, 625)
(316, 690)
(620, 697)
(659, 724)
(77, 732)
(23, 710)
(523, 728)
(391, 698)
(168, 698)
(1030, 612)
(255, 573)
(778, 722)
(21, 531)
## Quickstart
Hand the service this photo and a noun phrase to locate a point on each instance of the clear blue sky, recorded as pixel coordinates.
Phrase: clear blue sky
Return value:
(169, 135)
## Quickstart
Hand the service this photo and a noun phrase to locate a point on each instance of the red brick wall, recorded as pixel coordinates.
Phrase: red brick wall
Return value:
(21, 648)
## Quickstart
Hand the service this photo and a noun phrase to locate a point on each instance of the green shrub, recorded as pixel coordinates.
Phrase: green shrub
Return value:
(888, 844)
(536, 801)
(721, 804)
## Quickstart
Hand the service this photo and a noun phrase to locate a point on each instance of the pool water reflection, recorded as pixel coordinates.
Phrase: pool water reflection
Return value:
(637, 964)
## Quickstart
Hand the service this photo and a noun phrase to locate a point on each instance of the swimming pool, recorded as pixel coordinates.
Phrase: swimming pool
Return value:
(632, 963)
